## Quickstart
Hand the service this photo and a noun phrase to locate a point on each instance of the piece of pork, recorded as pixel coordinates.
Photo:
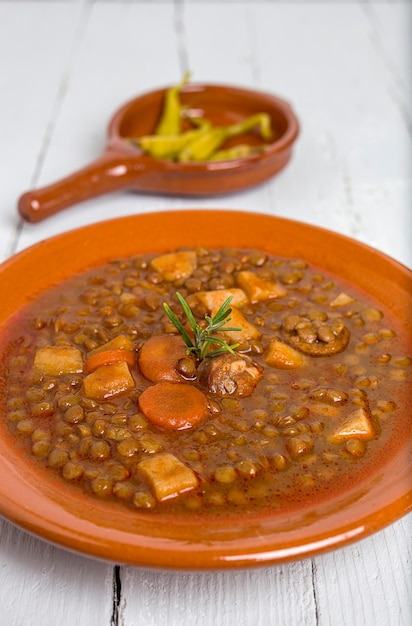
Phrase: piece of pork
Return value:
(230, 374)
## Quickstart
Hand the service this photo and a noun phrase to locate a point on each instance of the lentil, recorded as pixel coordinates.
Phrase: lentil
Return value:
(293, 434)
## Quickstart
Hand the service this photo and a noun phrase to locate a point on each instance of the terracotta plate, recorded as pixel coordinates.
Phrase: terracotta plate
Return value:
(36, 503)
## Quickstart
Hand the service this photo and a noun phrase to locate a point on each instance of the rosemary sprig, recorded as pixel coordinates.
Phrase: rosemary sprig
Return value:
(203, 336)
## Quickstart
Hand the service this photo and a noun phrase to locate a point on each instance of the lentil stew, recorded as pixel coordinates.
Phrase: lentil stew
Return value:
(313, 399)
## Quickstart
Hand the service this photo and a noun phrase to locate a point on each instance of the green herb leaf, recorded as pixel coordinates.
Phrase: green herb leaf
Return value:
(175, 320)
(202, 335)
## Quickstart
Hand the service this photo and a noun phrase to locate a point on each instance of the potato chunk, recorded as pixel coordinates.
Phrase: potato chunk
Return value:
(257, 289)
(342, 299)
(238, 320)
(175, 266)
(58, 360)
(167, 476)
(283, 356)
(107, 381)
(121, 342)
(358, 425)
(213, 300)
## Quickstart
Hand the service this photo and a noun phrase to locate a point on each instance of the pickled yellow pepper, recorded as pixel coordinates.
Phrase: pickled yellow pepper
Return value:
(170, 122)
(203, 141)
(236, 152)
(203, 147)
(169, 146)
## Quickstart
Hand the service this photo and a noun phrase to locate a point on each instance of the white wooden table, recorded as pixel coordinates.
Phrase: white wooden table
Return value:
(346, 69)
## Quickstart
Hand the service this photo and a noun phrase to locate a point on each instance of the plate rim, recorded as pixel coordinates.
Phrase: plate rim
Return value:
(179, 553)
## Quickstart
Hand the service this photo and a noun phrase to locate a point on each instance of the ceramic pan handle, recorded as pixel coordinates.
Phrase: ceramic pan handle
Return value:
(112, 171)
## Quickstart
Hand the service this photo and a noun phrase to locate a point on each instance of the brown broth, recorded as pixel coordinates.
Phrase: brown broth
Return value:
(269, 451)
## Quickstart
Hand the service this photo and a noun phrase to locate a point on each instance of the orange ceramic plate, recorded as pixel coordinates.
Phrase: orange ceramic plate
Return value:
(35, 502)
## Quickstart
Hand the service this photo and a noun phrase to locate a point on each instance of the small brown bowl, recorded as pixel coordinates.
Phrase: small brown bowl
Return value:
(35, 500)
(123, 166)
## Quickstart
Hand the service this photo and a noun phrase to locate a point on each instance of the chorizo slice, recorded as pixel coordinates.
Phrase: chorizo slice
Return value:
(316, 337)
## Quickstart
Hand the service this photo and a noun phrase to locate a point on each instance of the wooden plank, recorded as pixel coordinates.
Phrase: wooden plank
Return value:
(353, 154)
(354, 586)
(34, 60)
(276, 595)
(98, 83)
(42, 585)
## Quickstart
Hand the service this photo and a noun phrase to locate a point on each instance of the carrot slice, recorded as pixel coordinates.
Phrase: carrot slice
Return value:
(158, 358)
(173, 406)
(108, 357)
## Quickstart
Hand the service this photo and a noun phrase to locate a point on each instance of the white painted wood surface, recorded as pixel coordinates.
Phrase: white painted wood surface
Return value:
(346, 68)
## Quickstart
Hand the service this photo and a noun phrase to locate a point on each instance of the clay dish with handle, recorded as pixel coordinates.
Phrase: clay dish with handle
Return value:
(123, 166)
